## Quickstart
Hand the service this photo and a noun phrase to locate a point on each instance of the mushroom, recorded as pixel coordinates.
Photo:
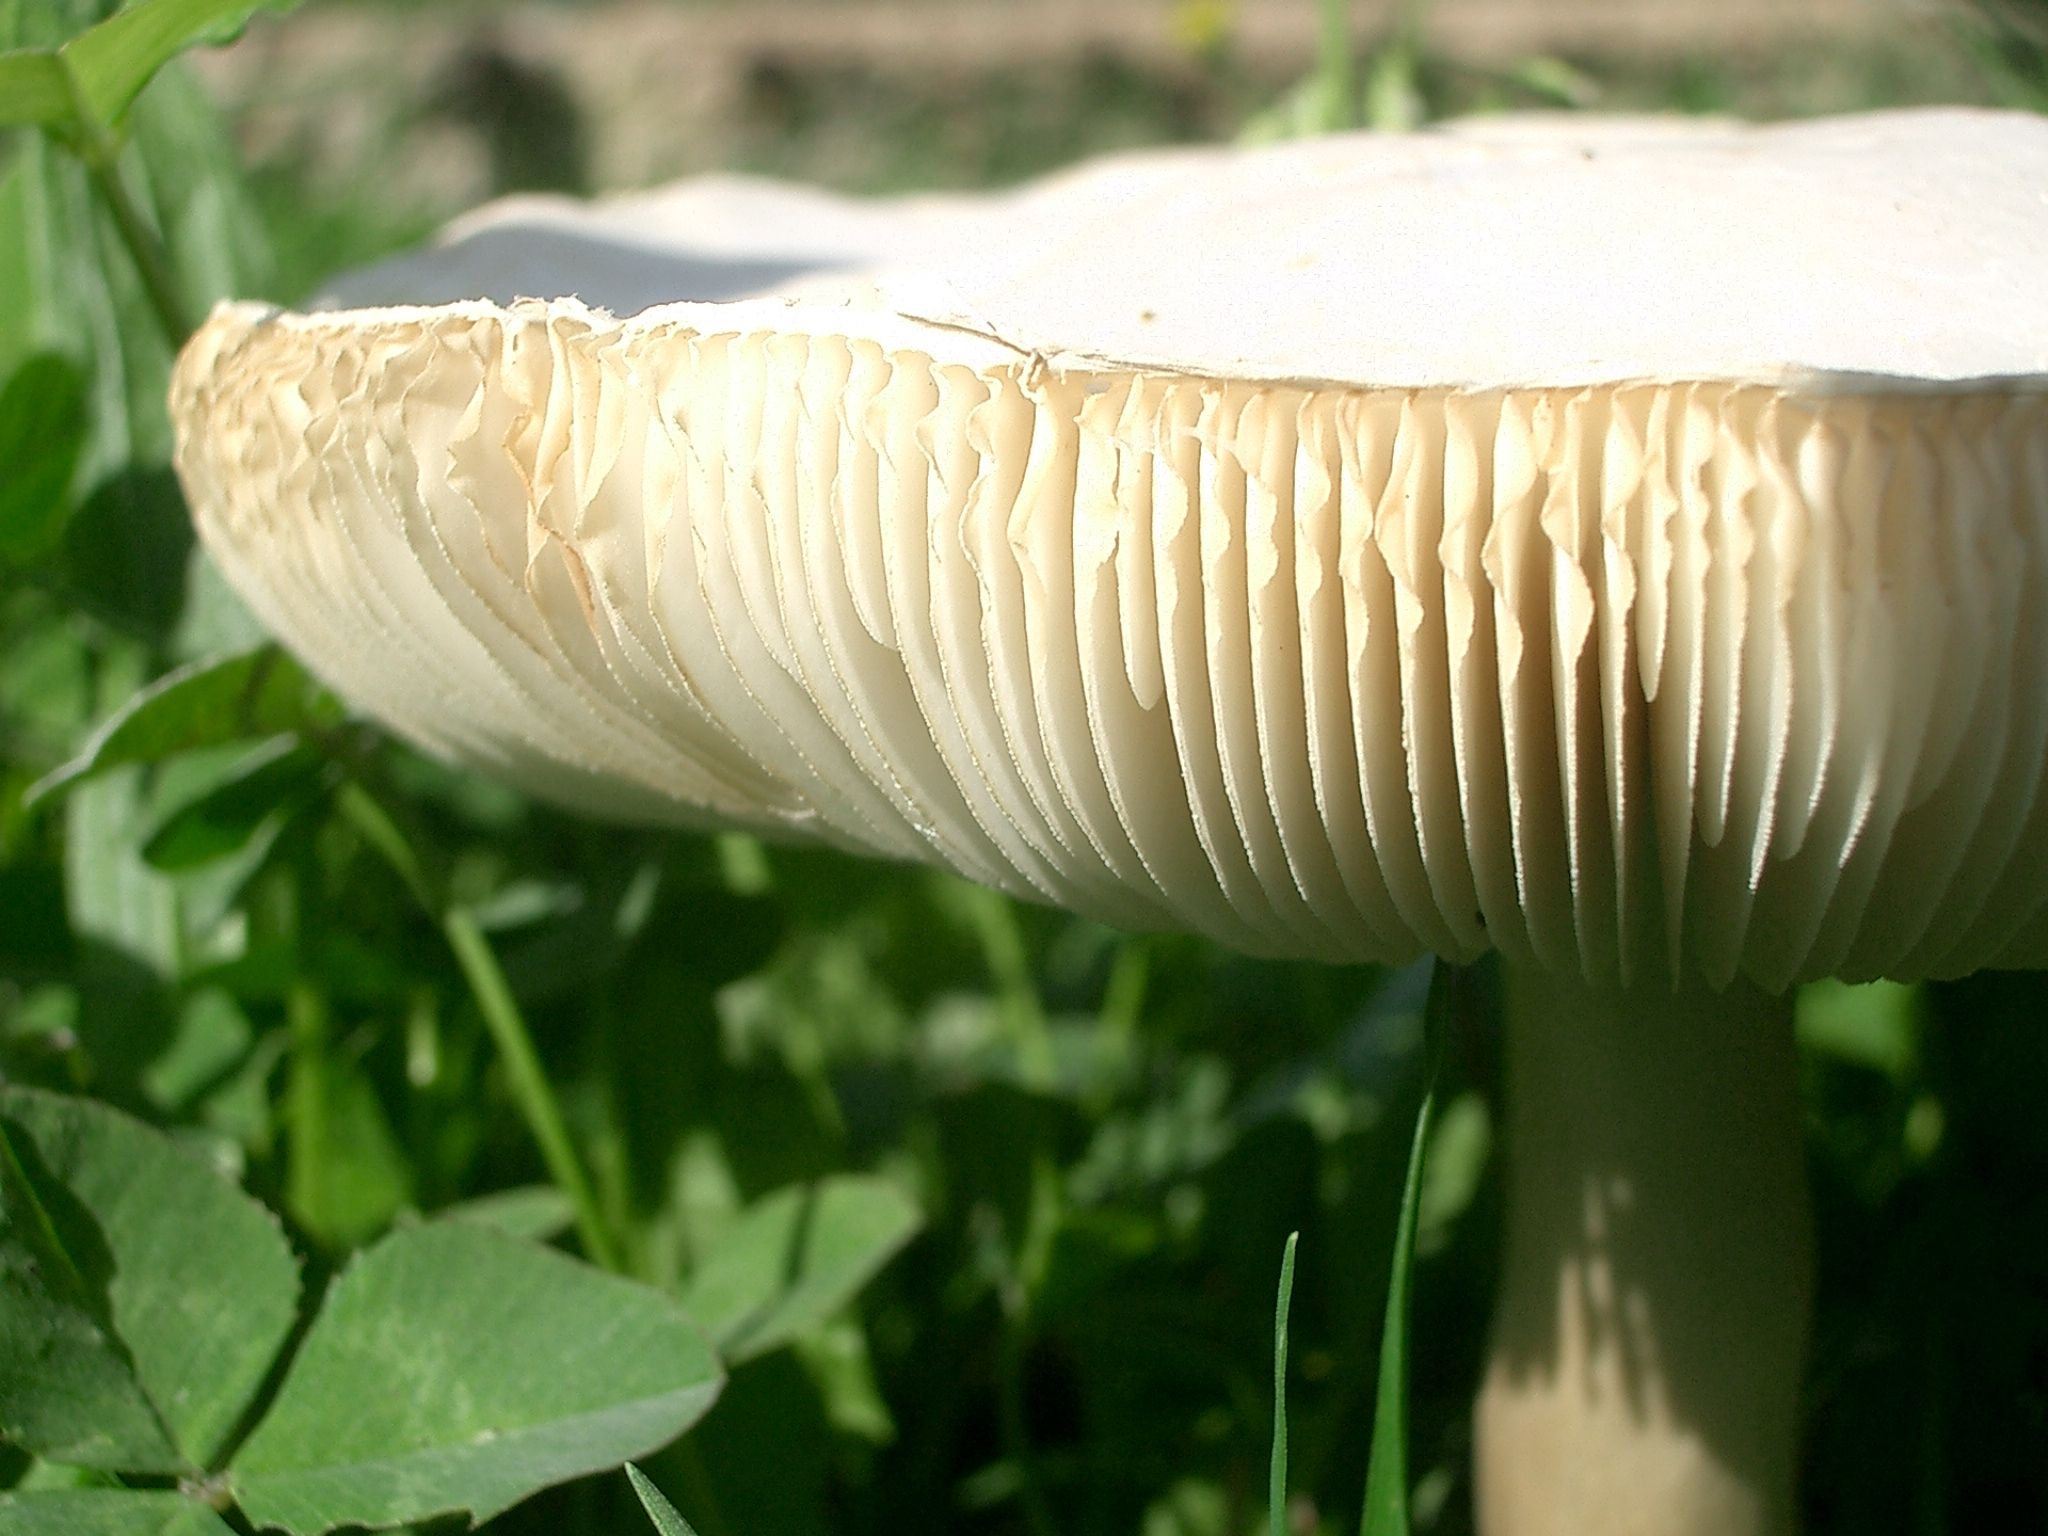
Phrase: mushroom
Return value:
(1620, 545)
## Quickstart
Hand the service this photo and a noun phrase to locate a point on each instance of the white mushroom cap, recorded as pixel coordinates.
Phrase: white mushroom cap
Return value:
(1623, 545)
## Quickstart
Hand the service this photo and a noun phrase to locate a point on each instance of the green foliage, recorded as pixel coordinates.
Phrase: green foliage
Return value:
(794, 1258)
(88, 83)
(71, 288)
(450, 1368)
(107, 1512)
(42, 432)
(494, 1368)
(147, 1296)
(231, 806)
(977, 1203)
(260, 692)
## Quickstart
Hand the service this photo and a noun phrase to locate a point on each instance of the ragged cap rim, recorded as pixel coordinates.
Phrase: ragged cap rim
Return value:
(963, 343)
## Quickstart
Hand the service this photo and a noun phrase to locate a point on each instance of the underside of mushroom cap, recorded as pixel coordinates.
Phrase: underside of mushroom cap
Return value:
(1728, 672)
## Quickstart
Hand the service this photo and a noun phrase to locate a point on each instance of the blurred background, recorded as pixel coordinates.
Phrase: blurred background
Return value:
(373, 120)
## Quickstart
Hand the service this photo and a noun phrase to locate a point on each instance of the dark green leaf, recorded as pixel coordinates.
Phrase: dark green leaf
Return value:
(208, 890)
(242, 798)
(35, 940)
(126, 921)
(125, 549)
(666, 1517)
(454, 1369)
(107, 1512)
(67, 1389)
(113, 61)
(794, 1258)
(145, 1298)
(46, 688)
(42, 433)
(257, 693)
(348, 1176)
(564, 957)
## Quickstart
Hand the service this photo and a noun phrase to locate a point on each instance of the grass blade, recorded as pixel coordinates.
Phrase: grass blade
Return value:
(666, 1517)
(1386, 1478)
(1276, 1486)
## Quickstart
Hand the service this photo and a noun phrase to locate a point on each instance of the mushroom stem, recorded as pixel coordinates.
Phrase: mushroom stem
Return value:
(1651, 1325)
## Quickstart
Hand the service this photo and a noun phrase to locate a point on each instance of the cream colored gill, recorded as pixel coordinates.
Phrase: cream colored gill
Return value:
(1705, 675)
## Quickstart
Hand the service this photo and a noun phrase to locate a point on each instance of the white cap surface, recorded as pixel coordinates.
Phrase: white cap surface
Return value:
(1622, 544)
